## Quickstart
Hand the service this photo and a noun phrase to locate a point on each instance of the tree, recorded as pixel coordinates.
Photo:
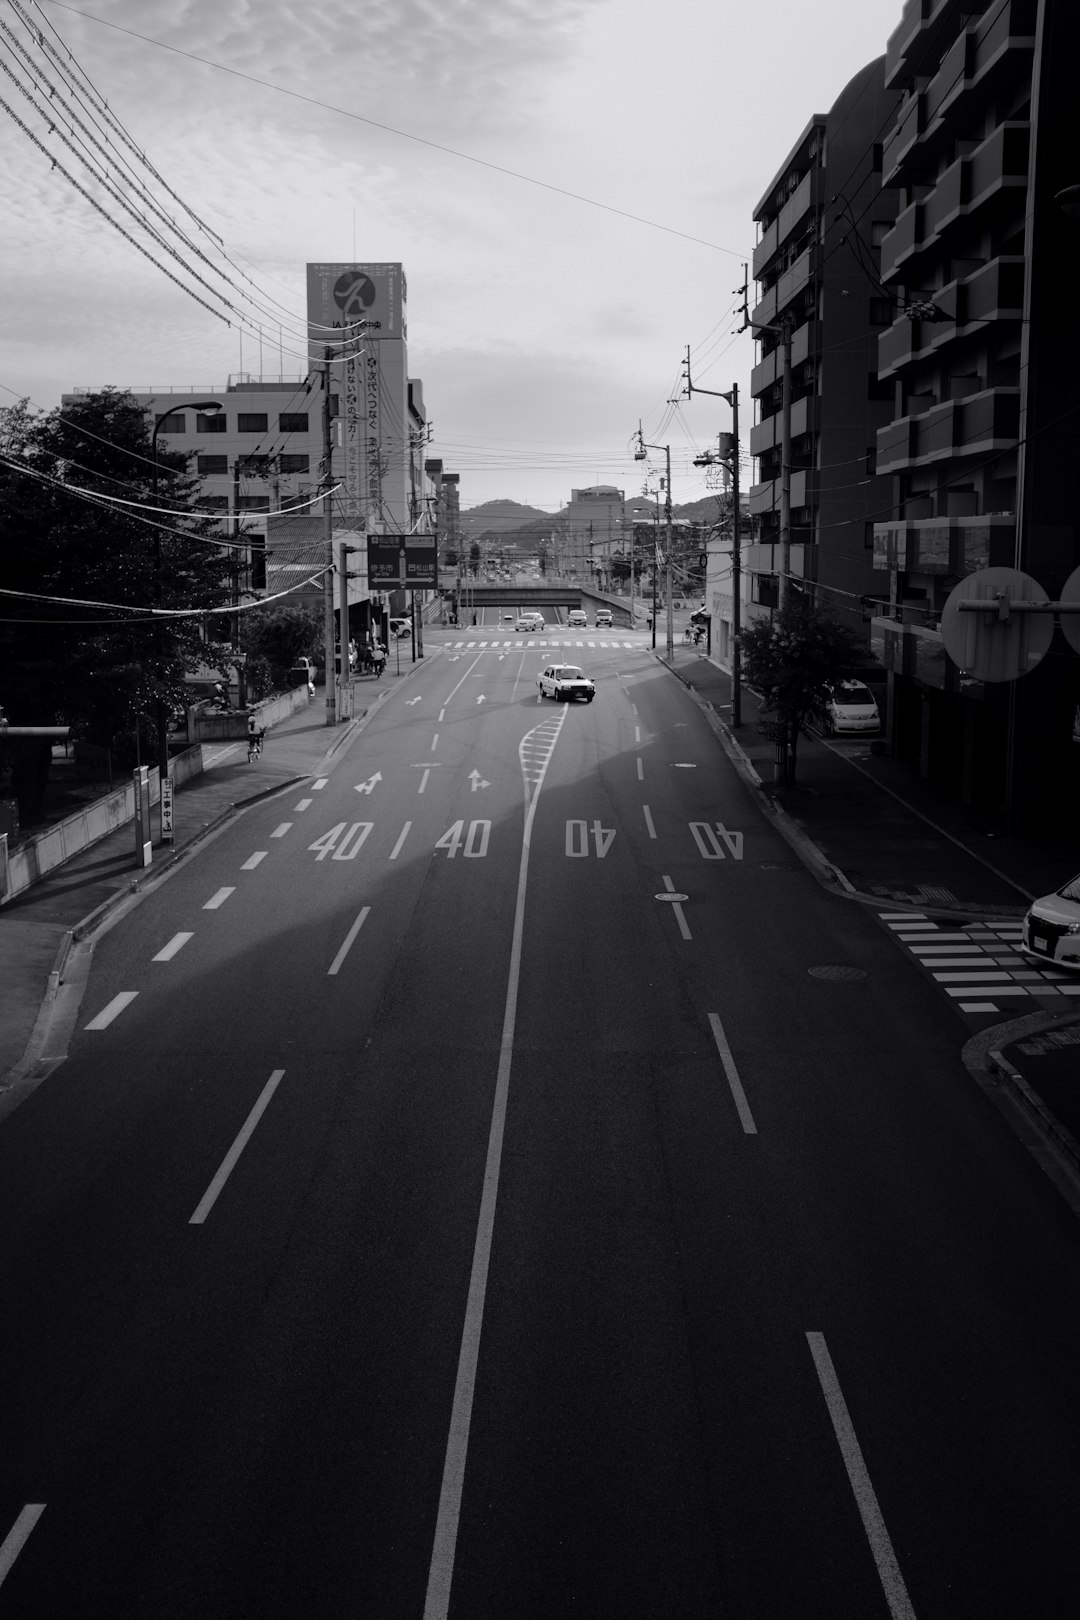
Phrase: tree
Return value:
(78, 486)
(792, 660)
(275, 637)
(474, 558)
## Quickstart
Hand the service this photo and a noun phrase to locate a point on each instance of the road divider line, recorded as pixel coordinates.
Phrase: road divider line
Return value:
(396, 851)
(218, 899)
(16, 1538)
(112, 1009)
(680, 916)
(210, 1196)
(441, 1569)
(319, 782)
(349, 937)
(253, 860)
(892, 1582)
(640, 769)
(648, 821)
(434, 742)
(280, 830)
(304, 804)
(175, 944)
(734, 1083)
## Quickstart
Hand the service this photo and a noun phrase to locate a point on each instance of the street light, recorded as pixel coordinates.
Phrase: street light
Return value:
(639, 455)
(209, 407)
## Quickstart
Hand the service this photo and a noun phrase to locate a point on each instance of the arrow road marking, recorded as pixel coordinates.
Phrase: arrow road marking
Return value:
(368, 786)
(410, 701)
(477, 780)
(481, 698)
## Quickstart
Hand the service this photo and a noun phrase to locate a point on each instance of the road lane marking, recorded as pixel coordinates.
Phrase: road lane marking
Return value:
(442, 715)
(319, 782)
(175, 944)
(678, 910)
(434, 742)
(640, 769)
(16, 1538)
(253, 860)
(441, 1569)
(637, 734)
(892, 1582)
(305, 804)
(210, 1196)
(732, 1073)
(649, 821)
(396, 851)
(424, 780)
(349, 937)
(218, 899)
(112, 1010)
(281, 829)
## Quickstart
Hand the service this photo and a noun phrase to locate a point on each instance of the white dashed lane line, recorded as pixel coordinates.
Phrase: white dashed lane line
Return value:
(175, 944)
(218, 899)
(113, 1009)
(304, 804)
(319, 782)
(253, 860)
(280, 831)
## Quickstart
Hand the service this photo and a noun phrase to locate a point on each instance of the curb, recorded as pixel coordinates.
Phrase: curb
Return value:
(1047, 1122)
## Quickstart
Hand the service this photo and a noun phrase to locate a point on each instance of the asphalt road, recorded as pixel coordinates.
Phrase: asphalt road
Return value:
(496, 1180)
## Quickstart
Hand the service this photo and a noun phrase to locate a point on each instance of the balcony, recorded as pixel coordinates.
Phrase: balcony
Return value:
(998, 164)
(764, 313)
(989, 420)
(764, 435)
(766, 248)
(911, 37)
(945, 545)
(900, 243)
(897, 347)
(765, 497)
(901, 139)
(994, 293)
(765, 373)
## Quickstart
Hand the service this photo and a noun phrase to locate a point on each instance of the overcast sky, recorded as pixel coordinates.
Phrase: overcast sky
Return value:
(543, 326)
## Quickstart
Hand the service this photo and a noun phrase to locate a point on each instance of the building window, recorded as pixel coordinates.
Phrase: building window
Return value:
(295, 464)
(213, 503)
(213, 464)
(254, 503)
(173, 424)
(765, 590)
(211, 424)
(293, 422)
(252, 422)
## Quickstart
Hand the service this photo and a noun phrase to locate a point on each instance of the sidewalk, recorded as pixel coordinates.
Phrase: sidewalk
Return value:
(38, 925)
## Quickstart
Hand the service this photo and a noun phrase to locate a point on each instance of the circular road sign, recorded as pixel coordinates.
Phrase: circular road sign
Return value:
(996, 643)
(1070, 622)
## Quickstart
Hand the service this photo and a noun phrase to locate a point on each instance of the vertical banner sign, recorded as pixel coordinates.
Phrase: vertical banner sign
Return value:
(372, 447)
(352, 433)
(144, 851)
(167, 809)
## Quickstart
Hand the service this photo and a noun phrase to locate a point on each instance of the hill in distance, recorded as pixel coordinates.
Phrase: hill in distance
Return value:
(498, 517)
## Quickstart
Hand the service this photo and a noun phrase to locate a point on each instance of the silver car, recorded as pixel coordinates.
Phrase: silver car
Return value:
(1051, 930)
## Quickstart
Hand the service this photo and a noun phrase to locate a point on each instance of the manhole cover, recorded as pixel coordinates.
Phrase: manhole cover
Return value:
(835, 973)
(667, 895)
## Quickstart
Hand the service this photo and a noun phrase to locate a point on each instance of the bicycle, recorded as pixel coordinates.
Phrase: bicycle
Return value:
(255, 745)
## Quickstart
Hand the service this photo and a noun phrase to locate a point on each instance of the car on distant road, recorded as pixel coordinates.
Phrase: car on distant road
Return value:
(508, 618)
(531, 621)
(566, 683)
(1050, 932)
(576, 620)
(603, 618)
(851, 709)
(400, 628)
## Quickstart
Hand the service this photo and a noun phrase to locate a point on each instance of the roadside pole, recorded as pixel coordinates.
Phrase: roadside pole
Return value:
(330, 675)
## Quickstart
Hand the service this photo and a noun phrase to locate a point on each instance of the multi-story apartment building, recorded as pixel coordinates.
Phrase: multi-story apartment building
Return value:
(595, 529)
(981, 360)
(819, 222)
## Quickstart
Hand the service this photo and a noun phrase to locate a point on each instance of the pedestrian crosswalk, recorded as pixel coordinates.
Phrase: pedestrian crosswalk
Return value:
(979, 964)
(533, 641)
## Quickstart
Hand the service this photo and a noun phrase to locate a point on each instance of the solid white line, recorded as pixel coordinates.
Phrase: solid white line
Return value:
(349, 937)
(304, 804)
(16, 1538)
(441, 1570)
(252, 862)
(732, 1073)
(209, 1197)
(115, 1006)
(641, 770)
(175, 944)
(888, 1569)
(218, 899)
(649, 821)
(280, 831)
(396, 851)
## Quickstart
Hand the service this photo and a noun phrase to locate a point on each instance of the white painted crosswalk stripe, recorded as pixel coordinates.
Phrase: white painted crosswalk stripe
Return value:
(977, 960)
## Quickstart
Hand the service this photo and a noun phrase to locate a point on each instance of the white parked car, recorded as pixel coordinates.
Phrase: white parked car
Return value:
(851, 709)
(1051, 930)
(400, 628)
(566, 683)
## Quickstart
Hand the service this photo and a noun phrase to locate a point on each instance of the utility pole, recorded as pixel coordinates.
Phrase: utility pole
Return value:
(345, 706)
(732, 398)
(328, 548)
